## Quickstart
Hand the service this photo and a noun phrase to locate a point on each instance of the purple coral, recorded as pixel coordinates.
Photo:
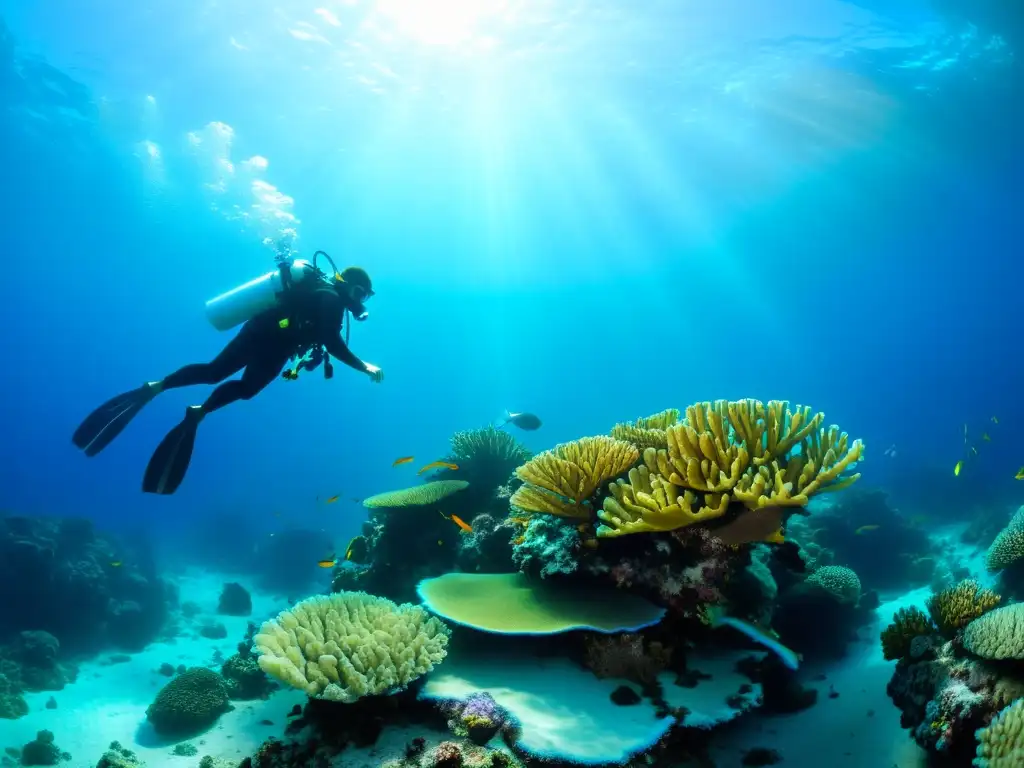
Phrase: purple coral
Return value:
(479, 716)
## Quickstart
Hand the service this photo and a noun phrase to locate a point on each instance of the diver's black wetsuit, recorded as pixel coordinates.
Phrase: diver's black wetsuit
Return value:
(262, 347)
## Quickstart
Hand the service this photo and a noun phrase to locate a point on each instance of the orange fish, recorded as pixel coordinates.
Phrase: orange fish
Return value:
(328, 563)
(332, 499)
(402, 460)
(461, 523)
(436, 464)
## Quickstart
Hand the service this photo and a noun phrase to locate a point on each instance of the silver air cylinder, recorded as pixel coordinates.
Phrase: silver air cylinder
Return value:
(246, 301)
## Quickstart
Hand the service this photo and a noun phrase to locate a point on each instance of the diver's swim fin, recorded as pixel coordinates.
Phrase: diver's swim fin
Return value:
(171, 458)
(105, 423)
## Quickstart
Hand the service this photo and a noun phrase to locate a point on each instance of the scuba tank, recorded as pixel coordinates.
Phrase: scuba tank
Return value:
(246, 301)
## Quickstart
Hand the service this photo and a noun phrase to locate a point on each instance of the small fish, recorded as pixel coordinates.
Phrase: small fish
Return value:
(332, 499)
(890, 451)
(461, 523)
(758, 635)
(985, 437)
(965, 434)
(957, 468)
(436, 464)
(116, 563)
(866, 529)
(974, 451)
(1020, 474)
(439, 542)
(402, 460)
(995, 420)
(328, 563)
(356, 551)
(525, 421)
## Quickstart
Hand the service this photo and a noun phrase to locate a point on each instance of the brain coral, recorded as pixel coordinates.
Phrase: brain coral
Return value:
(350, 644)
(1001, 744)
(190, 702)
(999, 634)
(841, 582)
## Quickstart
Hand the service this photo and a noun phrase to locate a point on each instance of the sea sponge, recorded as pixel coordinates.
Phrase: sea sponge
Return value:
(190, 702)
(999, 634)
(512, 604)
(647, 432)
(908, 624)
(561, 481)
(417, 496)
(1001, 744)
(1008, 546)
(649, 502)
(955, 607)
(842, 583)
(350, 644)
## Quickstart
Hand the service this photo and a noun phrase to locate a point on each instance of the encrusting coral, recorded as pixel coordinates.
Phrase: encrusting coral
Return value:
(908, 624)
(416, 496)
(351, 644)
(562, 481)
(955, 607)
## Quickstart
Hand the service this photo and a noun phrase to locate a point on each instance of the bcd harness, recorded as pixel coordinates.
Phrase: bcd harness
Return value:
(307, 357)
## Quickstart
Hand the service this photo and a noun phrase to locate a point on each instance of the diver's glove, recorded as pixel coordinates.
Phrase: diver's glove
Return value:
(374, 372)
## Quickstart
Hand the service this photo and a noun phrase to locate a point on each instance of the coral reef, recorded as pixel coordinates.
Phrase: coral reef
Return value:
(488, 549)
(117, 756)
(82, 587)
(478, 718)
(42, 751)
(234, 600)
(12, 703)
(563, 481)
(862, 531)
(955, 607)
(899, 636)
(485, 458)
(349, 645)
(32, 663)
(189, 703)
(548, 545)
(242, 674)
(819, 616)
(1008, 547)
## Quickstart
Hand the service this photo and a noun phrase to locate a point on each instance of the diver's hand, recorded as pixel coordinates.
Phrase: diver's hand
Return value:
(374, 372)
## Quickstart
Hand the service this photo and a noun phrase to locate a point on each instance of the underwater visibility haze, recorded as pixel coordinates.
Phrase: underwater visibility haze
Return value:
(623, 383)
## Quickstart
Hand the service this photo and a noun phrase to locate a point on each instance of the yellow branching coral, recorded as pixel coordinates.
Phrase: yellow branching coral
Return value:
(791, 481)
(701, 454)
(647, 432)
(649, 502)
(955, 607)
(559, 481)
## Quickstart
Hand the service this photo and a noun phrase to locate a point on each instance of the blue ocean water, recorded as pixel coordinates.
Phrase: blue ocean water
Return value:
(588, 211)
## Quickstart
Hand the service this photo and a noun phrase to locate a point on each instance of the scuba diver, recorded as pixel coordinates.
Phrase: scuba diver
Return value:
(295, 312)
